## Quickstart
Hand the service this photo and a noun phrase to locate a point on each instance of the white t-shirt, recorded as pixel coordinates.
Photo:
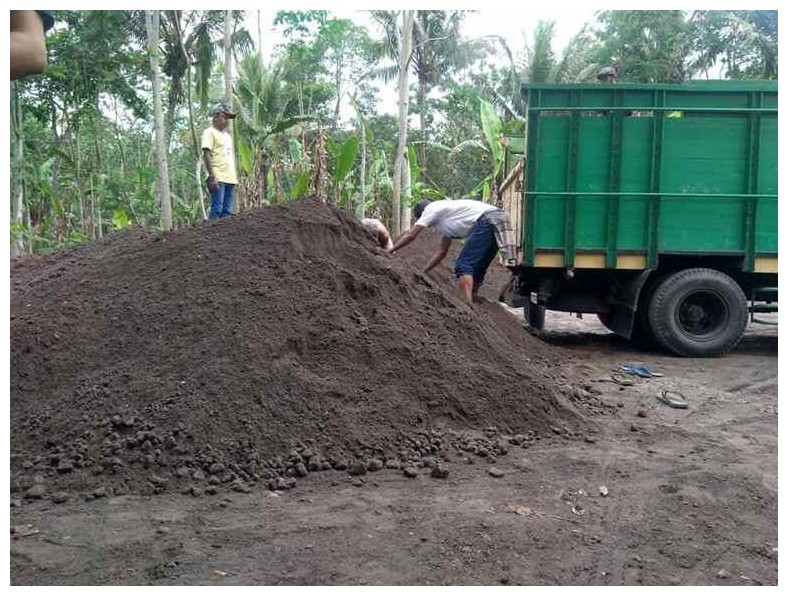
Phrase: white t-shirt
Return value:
(453, 218)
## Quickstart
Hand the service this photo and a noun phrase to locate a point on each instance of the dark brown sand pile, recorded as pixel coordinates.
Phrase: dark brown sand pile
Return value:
(255, 349)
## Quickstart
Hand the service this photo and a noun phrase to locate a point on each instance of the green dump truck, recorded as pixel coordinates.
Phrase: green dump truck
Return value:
(652, 206)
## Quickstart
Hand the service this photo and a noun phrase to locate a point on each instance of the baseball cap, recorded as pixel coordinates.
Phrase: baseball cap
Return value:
(221, 108)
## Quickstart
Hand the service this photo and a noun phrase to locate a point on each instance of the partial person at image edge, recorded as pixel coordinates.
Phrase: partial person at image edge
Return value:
(28, 51)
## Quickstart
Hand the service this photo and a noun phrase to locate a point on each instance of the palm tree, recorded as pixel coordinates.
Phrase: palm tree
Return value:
(438, 51)
(265, 111)
(537, 63)
(191, 40)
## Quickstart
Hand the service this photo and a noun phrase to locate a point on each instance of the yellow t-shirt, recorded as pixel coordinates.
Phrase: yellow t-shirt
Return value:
(221, 157)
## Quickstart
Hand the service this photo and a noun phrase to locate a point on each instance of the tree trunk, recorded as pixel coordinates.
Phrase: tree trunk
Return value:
(228, 71)
(423, 124)
(92, 209)
(152, 23)
(319, 171)
(402, 140)
(228, 63)
(406, 195)
(80, 188)
(338, 84)
(197, 170)
(260, 38)
(360, 211)
(264, 175)
(195, 143)
(18, 246)
(277, 176)
(119, 141)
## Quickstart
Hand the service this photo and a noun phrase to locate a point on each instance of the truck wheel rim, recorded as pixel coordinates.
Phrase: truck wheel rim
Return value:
(702, 314)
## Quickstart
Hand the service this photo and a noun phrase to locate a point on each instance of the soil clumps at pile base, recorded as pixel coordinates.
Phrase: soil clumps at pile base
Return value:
(256, 348)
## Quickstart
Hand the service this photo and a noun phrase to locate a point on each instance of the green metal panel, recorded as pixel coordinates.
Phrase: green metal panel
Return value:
(553, 158)
(655, 181)
(703, 225)
(705, 155)
(635, 179)
(652, 168)
(766, 209)
(593, 175)
(766, 226)
(752, 165)
(570, 212)
(613, 206)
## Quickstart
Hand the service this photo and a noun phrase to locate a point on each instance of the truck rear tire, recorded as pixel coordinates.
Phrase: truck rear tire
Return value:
(698, 312)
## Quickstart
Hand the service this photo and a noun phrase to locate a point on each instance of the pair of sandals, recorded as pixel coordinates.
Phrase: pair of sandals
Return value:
(632, 369)
(674, 399)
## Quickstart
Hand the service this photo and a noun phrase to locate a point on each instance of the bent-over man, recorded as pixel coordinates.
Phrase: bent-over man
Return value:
(485, 227)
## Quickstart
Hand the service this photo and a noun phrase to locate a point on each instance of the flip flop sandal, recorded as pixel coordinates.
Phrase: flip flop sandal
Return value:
(621, 380)
(674, 399)
(641, 371)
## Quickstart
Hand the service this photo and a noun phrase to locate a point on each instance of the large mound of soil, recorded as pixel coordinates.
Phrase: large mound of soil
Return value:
(251, 348)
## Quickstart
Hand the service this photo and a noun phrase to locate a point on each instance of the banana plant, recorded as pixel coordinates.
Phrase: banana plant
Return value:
(418, 188)
(264, 114)
(344, 158)
(492, 147)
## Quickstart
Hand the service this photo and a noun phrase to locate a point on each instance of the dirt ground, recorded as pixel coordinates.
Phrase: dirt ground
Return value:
(487, 456)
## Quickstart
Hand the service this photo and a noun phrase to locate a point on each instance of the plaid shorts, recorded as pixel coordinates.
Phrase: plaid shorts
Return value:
(504, 234)
(493, 232)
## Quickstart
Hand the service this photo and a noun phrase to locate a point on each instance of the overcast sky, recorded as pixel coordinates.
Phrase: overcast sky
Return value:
(515, 26)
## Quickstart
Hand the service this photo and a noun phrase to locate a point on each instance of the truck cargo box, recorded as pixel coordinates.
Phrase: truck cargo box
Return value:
(643, 180)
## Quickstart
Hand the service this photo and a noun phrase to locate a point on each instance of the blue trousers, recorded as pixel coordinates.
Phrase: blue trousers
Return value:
(222, 200)
(479, 251)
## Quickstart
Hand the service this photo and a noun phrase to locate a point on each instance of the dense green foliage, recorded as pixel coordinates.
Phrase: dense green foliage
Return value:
(82, 143)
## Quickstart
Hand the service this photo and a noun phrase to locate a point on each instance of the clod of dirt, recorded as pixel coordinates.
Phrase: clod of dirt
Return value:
(496, 472)
(232, 354)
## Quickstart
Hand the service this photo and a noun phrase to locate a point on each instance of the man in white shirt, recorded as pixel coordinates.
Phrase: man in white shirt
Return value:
(485, 227)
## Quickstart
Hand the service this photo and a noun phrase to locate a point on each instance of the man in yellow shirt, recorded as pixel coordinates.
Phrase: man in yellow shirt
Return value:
(219, 159)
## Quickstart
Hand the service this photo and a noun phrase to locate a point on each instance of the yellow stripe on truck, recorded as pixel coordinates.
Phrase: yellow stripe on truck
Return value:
(631, 262)
(590, 261)
(548, 259)
(765, 265)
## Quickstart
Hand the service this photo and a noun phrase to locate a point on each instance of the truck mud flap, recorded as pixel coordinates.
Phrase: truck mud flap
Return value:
(622, 311)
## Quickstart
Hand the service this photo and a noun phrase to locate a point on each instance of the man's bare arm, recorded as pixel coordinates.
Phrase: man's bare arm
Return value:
(438, 256)
(213, 183)
(406, 238)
